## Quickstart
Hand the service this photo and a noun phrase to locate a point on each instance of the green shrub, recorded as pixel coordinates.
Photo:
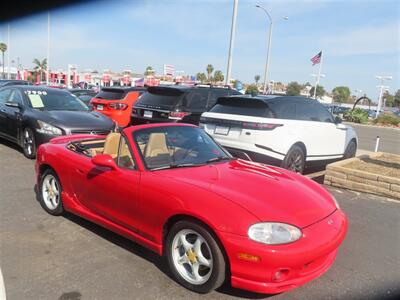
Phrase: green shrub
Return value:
(387, 119)
(357, 115)
(252, 90)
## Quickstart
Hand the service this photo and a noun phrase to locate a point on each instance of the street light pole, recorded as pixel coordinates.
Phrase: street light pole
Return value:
(233, 28)
(382, 87)
(271, 24)
(8, 52)
(48, 50)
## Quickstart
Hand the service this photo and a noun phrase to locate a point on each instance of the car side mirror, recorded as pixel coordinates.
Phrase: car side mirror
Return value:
(13, 104)
(338, 120)
(104, 160)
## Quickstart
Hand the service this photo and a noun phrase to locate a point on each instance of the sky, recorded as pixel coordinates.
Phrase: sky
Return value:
(359, 39)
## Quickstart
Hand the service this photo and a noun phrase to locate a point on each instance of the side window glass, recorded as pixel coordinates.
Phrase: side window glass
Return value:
(284, 110)
(16, 97)
(196, 100)
(323, 115)
(4, 95)
(125, 159)
(305, 111)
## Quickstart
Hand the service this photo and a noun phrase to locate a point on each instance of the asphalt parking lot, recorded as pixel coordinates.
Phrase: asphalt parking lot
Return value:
(45, 257)
(389, 138)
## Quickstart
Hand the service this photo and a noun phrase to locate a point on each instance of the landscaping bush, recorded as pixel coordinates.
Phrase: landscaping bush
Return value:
(387, 119)
(357, 115)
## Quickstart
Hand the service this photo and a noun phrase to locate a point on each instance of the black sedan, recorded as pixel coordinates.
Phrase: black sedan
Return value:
(32, 115)
(84, 95)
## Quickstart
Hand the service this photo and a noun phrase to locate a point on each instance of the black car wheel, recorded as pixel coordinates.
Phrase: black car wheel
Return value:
(29, 143)
(295, 159)
(351, 150)
(194, 257)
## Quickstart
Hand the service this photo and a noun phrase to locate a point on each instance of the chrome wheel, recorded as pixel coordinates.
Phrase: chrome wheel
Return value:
(192, 256)
(50, 192)
(28, 142)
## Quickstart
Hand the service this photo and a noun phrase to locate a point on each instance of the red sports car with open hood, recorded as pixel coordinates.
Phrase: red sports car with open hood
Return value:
(171, 188)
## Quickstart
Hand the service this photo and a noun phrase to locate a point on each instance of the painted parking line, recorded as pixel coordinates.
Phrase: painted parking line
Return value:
(2, 288)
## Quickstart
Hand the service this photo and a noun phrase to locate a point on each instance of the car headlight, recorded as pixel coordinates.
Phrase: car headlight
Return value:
(48, 129)
(274, 233)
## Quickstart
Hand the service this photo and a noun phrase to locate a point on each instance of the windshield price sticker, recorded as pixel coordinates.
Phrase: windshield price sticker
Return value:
(29, 92)
(36, 100)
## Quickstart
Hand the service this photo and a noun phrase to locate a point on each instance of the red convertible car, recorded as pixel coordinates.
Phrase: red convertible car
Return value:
(171, 188)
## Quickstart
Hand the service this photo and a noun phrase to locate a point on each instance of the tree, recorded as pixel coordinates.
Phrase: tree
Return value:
(40, 67)
(149, 71)
(341, 94)
(209, 69)
(201, 77)
(218, 76)
(396, 100)
(293, 89)
(3, 48)
(257, 79)
(320, 91)
(252, 89)
(388, 99)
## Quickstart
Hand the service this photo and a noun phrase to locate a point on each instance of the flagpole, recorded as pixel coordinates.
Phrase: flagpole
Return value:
(318, 77)
(8, 52)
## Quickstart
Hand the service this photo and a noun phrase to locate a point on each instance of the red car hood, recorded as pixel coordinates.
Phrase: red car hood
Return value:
(269, 193)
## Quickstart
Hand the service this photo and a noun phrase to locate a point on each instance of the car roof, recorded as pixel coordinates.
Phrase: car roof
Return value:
(183, 88)
(267, 99)
(123, 88)
(39, 88)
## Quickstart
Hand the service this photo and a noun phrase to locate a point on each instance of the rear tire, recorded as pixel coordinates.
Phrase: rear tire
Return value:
(295, 159)
(194, 257)
(351, 150)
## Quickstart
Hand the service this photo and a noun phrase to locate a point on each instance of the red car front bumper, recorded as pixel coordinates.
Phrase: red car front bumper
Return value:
(274, 269)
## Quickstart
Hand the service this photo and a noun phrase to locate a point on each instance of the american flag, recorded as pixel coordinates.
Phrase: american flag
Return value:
(316, 59)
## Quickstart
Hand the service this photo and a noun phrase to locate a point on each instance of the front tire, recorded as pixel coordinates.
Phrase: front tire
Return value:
(50, 193)
(295, 159)
(194, 257)
(29, 143)
(351, 150)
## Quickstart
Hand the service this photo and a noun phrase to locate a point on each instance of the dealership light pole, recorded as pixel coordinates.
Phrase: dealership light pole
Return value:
(382, 88)
(271, 23)
(8, 52)
(233, 28)
(48, 50)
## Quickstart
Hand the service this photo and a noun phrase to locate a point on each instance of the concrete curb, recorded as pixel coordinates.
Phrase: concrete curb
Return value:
(337, 174)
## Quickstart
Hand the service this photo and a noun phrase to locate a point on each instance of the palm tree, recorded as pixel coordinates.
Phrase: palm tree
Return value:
(210, 69)
(40, 67)
(149, 71)
(257, 79)
(201, 77)
(3, 48)
(218, 76)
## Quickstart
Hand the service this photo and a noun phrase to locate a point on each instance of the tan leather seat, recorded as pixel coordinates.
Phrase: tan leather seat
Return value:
(156, 145)
(112, 143)
(156, 151)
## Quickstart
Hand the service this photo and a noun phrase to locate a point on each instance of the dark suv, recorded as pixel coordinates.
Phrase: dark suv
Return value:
(177, 103)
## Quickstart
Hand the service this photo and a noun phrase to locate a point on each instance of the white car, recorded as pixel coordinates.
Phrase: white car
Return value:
(283, 130)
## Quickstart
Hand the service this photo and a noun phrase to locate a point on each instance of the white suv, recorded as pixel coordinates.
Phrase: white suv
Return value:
(282, 130)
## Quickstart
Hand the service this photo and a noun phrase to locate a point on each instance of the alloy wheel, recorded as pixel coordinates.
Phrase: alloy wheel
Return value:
(295, 162)
(28, 143)
(50, 192)
(192, 256)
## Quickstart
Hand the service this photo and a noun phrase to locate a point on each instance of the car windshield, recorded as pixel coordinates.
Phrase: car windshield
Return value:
(54, 100)
(177, 146)
(164, 97)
